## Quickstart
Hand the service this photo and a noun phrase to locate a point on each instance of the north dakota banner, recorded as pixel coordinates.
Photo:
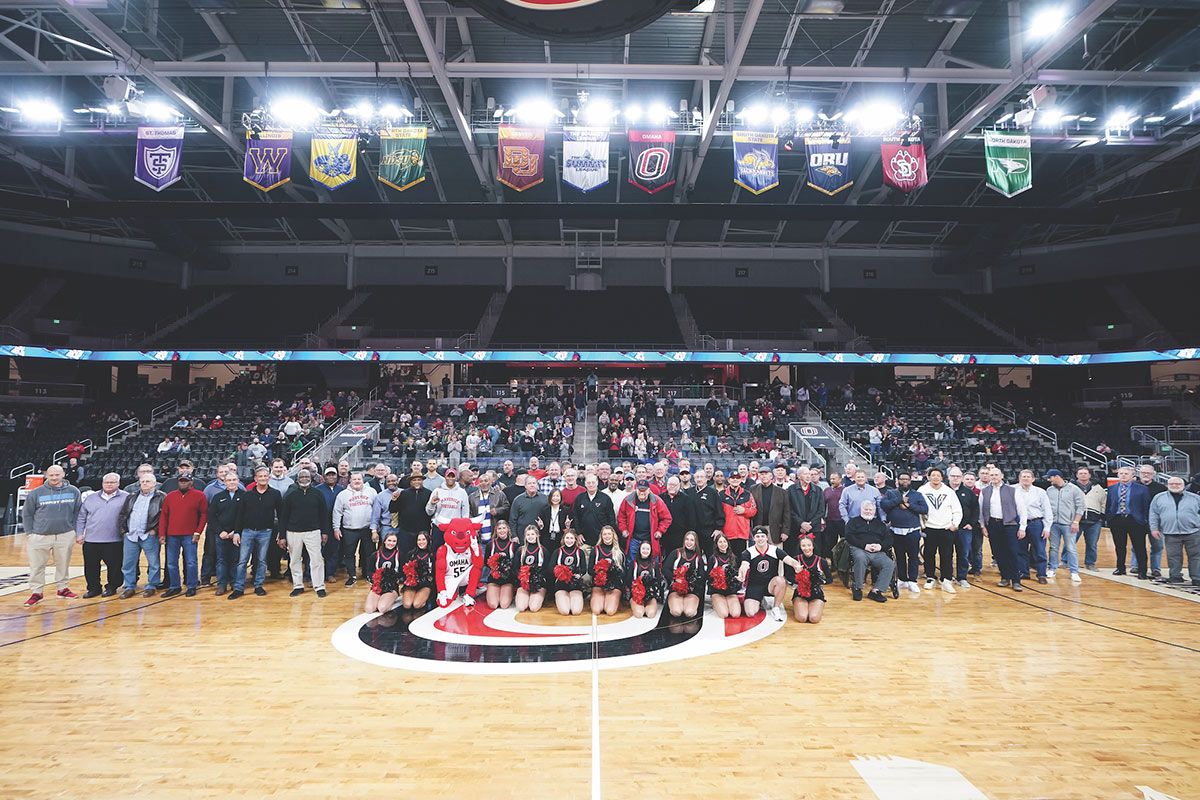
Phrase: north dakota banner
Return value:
(334, 161)
(652, 160)
(828, 162)
(402, 156)
(755, 161)
(1009, 162)
(268, 159)
(158, 156)
(903, 163)
(585, 158)
(520, 163)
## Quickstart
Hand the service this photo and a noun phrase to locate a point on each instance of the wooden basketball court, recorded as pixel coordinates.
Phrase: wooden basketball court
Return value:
(1062, 692)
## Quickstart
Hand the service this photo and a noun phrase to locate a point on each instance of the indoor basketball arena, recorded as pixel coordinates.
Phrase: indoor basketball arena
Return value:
(600, 399)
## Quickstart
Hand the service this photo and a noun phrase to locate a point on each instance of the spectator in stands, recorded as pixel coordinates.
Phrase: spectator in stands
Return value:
(1005, 515)
(1148, 476)
(306, 522)
(869, 540)
(181, 424)
(853, 496)
(184, 468)
(167, 445)
(1067, 505)
(96, 528)
(241, 457)
(1095, 497)
(184, 512)
(1128, 514)
(1175, 520)
(217, 424)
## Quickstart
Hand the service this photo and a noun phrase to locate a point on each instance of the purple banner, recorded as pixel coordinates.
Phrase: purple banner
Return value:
(268, 159)
(158, 158)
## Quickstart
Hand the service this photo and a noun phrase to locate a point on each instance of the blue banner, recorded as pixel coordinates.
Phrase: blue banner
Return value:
(828, 162)
(755, 161)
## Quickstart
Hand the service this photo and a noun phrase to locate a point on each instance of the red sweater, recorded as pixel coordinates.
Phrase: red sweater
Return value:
(183, 514)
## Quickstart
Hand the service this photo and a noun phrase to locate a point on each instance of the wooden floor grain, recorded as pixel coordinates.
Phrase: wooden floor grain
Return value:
(1036, 696)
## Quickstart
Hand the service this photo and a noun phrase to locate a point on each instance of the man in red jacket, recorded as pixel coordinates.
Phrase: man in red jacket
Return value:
(184, 514)
(643, 517)
(739, 508)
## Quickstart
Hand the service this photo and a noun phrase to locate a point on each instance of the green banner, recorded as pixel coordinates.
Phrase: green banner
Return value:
(1009, 162)
(402, 157)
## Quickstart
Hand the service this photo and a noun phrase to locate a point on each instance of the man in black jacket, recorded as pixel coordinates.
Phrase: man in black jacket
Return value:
(808, 512)
(258, 522)
(410, 510)
(869, 540)
(968, 529)
(710, 517)
(222, 522)
(593, 510)
(306, 521)
(683, 515)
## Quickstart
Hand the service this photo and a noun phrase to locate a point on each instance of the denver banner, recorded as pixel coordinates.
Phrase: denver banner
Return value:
(652, 160)
(268, 159)
(755, 161)
(1009, 162)
(904, 163)
(158, 156)
(585, 158)
(828, 162)
(520, 162)
(334, 161)
(402, 156)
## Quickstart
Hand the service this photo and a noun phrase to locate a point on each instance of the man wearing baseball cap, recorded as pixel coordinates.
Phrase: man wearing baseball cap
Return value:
(409, 509)
(331, 551)
(446, 503)
(643, 517)
(1068, 504)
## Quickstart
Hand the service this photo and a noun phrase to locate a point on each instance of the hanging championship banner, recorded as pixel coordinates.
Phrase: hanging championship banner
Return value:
(652, 160)
(585, 157)
(1009, 162)
(268, 159)
(402, 156)
(159, 154)
(334, 162)
(828, 162)
(904, 164)
(520, 160)
(755, 161)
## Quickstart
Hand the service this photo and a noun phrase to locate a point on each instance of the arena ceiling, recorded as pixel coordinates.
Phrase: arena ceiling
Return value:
(960, 65)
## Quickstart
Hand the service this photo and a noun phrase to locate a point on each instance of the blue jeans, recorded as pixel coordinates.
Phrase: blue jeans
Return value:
(227, 561)
(190, 566)
(963, 542)
(876, 451)
(252, 542)
(1031, 551)
(1060, 535)
(129, 561)
(1090, 531)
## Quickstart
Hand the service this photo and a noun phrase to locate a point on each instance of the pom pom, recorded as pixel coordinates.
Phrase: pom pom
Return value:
(410, 574)
(376, 580)
(637, 592)
(717, 576)
(523, 577)
(600, 578)
(804, 583)
(494, 562)
(679, 583)
(563, 574)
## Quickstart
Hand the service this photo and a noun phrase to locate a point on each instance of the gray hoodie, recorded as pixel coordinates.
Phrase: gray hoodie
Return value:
(48, 510)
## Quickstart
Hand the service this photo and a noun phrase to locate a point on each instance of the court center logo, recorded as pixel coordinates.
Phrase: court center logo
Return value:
(480, 641)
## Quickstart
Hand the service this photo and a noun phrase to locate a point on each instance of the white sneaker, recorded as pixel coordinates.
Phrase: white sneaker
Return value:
(929, 582)
(964, 584)
(777, 613)
(1050, 573)
(913, 587)
(948, 586)
(1075, 578)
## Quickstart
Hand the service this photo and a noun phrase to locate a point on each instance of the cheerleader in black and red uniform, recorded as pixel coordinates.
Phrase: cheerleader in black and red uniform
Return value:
(685, 569)
(645, 582)
(501, 560)
(385, 580)
(569, 568)
(531, 572)
(607, 568)
(808, 601)
(759, 571)
(723, 583)
(416, 574)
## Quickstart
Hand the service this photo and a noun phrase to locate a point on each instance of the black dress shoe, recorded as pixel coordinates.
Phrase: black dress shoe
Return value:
(128, 593)
(260, 591)
(1156, 573)
(856, 594)
(350, 581)
(90, 593)
(172, 593)
(190, 593)
(149, 592)
(108, 592)
(296, 593)
(877, 596)
(235, 594)
(1041, 579)
(1143, 576)
(320, 592)
(207, 582)
(1119, 571)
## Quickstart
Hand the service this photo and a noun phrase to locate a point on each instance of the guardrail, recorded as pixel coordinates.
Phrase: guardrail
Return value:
(806, 450)
(61, 453)
(121, 430)
(1042, 432)
(1003, 411)
(1183, 434)
(1089, 455)
(21, 471)
(163, 410)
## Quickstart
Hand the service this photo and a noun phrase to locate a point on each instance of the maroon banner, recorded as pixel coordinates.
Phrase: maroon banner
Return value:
(522, 156)
(904, 163)
(652, 160)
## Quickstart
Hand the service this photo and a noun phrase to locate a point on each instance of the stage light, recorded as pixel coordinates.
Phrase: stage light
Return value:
(295, 112)
(159, 111)
(633, 113)
(1121, 120)
(660, 113)
(393, 111)
(40, 111)
(804, 115)
(1004, 118)
(1154, 119)
(1068, 118)
(753, 115)
(361, 110)
(112, 109)
(878, 116)
(536, 112)
(1046, 21)
(1086, 118)
(779, 115)
(1190, 100)
(598, 112)
(1050, 117)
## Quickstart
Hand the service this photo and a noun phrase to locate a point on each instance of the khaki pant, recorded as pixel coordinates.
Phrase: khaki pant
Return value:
(42, 546)
(297, 542)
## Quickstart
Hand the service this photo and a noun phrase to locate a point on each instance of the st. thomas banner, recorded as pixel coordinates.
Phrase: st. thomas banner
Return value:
(158, 156)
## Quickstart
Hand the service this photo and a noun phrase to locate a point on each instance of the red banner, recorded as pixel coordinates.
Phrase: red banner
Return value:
(522, 156)
(904, 163)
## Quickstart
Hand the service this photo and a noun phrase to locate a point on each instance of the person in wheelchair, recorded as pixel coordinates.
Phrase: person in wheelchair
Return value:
(870, 541)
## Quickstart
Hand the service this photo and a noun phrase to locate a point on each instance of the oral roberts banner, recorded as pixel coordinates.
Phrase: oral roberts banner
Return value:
(334, 161)
(268, 159)
(585, 158)
(904, 164)
(520, 162)
(159, 154)
(402, 156)
(828, 162)
(755, 161)
(1009, 162)
(652, 160)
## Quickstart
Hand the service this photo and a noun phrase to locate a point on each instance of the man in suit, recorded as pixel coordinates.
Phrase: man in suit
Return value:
(1004, 519)
(1128, 513)
(683, 514)
(774, 507)
(806, 504)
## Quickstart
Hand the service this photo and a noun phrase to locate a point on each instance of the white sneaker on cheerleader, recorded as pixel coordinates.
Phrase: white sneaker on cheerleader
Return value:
(929, 582)
(913, 587)
(948, 586)
(777, 613)
(1075, 578)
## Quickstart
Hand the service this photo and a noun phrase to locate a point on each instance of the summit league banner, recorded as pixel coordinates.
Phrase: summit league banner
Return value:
(585, 158)
(652, 160)
(334, 161)
(903, 164)
(158, 156)
(402, 156)
(755, 161)
(520, 163)
(1009, 162)
(828, 162)
(268, 159)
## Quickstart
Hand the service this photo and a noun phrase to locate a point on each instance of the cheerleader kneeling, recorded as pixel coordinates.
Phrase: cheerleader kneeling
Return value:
(760, 574)
(723, 583)
(607, 568)
(569, 571)
(808, 600)
(385, 580)
(686, 569)
(531, 572)
(417, 574)
(645, 582)
(501, 560)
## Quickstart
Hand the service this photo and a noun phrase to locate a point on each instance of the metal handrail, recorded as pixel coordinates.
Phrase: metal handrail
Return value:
(1088, 454)
(1183, 434)
(1041, 431)
(61, 453)
(121, 430)
(162, 410)
(1002, 411)
(19, 472)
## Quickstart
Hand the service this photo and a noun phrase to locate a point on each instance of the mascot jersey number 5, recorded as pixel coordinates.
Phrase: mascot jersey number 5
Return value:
(459, 562)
